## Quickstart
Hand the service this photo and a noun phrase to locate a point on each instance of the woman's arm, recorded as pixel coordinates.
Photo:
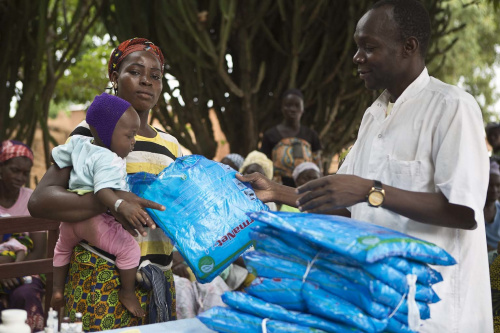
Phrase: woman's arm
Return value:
(51, 200)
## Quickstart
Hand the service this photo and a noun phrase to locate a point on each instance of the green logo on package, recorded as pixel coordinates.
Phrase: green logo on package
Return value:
(206, 264)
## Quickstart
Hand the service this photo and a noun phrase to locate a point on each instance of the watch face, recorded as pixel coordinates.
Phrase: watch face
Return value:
(376, 198)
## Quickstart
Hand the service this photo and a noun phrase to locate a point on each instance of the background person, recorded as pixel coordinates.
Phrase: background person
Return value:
(233, 160)
(305, 172)
(290, 143)
(135, 70)
(16, 160)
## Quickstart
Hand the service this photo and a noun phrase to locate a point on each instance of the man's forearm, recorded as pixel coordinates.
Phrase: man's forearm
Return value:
(428, 208)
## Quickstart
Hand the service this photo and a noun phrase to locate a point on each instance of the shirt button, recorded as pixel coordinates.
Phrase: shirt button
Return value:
(379, 136)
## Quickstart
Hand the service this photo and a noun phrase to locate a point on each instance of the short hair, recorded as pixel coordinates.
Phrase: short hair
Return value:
(413, 20)
(293, 91)
(490, 129)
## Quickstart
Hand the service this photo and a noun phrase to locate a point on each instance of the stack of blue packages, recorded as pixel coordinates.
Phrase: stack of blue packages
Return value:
(333, 274)
(206, 211)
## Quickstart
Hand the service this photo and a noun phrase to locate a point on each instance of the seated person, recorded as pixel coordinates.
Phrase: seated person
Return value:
(302, 174)
(16, 160)
(258, 162)
(233, 160)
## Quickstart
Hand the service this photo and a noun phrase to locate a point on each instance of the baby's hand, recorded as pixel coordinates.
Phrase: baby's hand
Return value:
(135, 215)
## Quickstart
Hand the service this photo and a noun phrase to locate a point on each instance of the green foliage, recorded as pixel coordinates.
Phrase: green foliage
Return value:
(470, 61)
(88, 76)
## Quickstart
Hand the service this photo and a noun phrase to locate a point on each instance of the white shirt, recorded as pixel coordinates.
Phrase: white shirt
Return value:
(433, 142)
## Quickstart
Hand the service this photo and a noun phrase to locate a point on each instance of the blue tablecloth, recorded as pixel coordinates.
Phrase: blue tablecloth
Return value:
(191, 325)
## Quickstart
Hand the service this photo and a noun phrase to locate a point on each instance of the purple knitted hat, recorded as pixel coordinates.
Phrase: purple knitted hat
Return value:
(104, 113)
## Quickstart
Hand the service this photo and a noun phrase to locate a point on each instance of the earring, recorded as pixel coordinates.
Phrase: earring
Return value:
(115, 85)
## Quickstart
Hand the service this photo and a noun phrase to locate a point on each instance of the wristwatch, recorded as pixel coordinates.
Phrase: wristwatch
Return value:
(376, 195)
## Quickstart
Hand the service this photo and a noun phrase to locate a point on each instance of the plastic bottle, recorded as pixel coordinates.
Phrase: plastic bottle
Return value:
(53, 320)
(65, 322)
(77, 325)
(14, 320)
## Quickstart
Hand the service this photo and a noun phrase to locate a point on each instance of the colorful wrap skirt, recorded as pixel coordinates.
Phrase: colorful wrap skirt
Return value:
(92, 288)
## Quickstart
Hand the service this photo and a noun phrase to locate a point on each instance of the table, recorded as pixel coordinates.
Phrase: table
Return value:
(192, 325)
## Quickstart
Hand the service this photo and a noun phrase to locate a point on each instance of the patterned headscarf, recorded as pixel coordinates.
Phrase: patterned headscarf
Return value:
(11, 149)
(129, 46)
(104, 113)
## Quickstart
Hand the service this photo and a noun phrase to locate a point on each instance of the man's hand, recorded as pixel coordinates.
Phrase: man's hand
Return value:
(136, 217)
(330, 193)
(261, 185)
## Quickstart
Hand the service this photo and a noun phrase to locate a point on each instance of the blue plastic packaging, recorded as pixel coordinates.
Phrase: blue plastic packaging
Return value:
(206, 211)
(375, 298)
(248, 304)
(231, 321)
(361, 241)
(327, 305)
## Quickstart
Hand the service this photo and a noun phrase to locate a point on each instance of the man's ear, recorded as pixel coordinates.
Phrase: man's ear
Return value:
(411, 47)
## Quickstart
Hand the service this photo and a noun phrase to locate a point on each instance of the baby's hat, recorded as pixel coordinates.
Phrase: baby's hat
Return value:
(104, 113)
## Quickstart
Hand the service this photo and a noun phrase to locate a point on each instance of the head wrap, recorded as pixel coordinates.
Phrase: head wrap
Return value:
(104, 113)
(130, 46)
(237, 159)
(494, 168)
(12, 148)
(261, 159)
(303, 167)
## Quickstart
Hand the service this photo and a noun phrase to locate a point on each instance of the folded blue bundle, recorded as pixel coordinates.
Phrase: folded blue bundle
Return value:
(206, 211)
(231, 321)
(248, 304)
(361, 241)
(376, 298)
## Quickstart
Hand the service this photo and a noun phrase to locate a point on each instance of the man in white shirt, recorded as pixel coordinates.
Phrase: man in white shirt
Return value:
(419, 165)
(422, 167)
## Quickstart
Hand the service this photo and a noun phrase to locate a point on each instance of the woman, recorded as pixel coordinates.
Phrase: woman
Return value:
(16, 160)
(135, 70)
(290, 143)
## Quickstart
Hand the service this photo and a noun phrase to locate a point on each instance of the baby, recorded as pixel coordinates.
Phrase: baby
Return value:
(99, 166)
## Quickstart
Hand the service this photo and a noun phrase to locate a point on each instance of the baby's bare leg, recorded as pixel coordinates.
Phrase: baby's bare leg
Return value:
(127, 293)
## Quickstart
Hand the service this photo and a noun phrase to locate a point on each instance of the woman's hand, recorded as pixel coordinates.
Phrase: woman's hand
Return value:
(179, 267)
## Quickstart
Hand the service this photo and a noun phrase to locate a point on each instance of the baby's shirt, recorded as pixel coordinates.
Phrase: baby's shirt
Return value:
(94, 167)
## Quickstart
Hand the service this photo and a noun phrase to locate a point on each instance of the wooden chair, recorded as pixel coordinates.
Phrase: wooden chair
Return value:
(31, 267)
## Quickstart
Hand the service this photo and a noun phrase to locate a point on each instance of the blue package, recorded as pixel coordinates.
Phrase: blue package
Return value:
(278, 242)
(324, 304)
(374, 298)
(301, 252)
(248, 304)
(205, 212)
(395, 326)
(361, 241)
(284, 292)
(231, 321)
